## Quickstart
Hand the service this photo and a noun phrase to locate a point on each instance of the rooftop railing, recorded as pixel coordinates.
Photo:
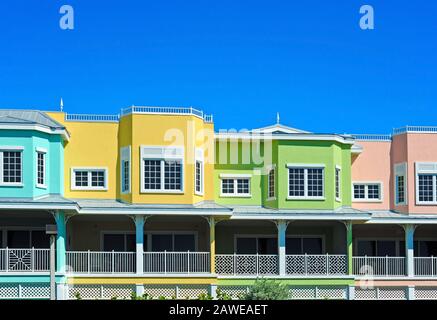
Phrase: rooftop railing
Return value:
(92, 117)
(372, 137)
(415, 129)
(168, 110)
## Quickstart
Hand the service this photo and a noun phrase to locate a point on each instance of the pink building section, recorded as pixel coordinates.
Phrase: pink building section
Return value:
(376, 163)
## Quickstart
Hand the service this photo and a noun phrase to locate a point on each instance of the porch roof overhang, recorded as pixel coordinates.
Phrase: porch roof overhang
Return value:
(261, 213)
(392, 217)
(50, 202)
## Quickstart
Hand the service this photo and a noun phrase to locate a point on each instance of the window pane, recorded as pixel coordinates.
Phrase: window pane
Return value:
(296, 182)
(40, 168)
(113, 242)
(386, 248)
(198, 179)
(312, 245)
(12, 166)
(315, 182)
(426, 192)
(162, 242)
(98, 179)
(294, 246)
(373, 191)
(243, 186)
(1, 239)
(337, 183)
(184, 242)
(366, 248)
(18, 239)
(246, 245)
(152, 174)
(400, 189)
(40, 239)
(81, 178)
(126, 173)
(267, 246)
(428, 248)
(173, 175)
(131, 242)
(271, 183)
(359, 191)
(227, 186)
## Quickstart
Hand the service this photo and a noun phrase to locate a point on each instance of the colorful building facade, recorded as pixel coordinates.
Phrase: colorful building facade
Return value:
(157, 201)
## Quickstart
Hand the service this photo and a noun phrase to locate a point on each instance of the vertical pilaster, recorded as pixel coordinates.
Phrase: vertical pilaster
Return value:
(139, 289)
(139, 240)
(349, 247)
(409, 249)
(410, 293)
(351, 292)
(211, 221)
(213, 291)
(60, 241)
(282, 229)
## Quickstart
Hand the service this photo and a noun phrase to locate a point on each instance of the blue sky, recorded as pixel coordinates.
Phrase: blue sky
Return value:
(242, 61)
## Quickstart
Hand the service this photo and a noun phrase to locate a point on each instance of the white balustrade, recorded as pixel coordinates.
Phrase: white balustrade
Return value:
(316, 265)
(425, 266)
(100, 262)
(24, 260)
(176, 262)
(379, 266)
(246, 264)
(92, 117)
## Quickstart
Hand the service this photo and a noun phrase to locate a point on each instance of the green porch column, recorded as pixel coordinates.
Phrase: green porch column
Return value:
(60, 241)
(349, 246)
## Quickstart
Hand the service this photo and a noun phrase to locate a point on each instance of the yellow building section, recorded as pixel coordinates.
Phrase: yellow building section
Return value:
(142, 280)
(92, 145)
(99, 145)
(156, 130)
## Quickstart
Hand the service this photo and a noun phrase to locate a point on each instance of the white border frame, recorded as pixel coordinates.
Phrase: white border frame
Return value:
(434, 183)
(123, 158)
(11, 148)
(73, 187)
(235, 177)
(366, 199)
(305, 167)
(42, 151)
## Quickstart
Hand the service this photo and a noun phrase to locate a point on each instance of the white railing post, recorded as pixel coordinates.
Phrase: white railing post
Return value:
(366, 265)
(112, 262)
(386, 265)
(432, 265)
(327, 263)
(188, 261)
(305, 260)
(165, 261)
(32, 259)
(89, 261)
(257, 264)
(235, 264)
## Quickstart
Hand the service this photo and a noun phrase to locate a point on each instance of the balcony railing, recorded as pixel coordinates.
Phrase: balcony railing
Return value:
(92, 117)
(316, 265)
(24, 260)
(246, 264)
(101, 262)
(425, 266)
(379, 266)
(167, 110)
(176, 262)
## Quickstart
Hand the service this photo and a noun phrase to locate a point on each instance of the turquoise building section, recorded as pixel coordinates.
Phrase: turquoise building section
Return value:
(30, 141)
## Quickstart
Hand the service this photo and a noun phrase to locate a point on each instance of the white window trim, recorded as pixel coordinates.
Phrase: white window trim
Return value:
(11, 184)
(434, 182)
(125, 155)
(199, 158)
(269, 168)
(337, 167)
(235, 177)
(365, 183)
(305, 181)
(44, 152)
(89, 169)
(404, 174)
(162, 158)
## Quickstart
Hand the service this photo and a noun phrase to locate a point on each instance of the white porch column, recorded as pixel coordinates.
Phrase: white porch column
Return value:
(409, 248)
(282, 229)
(139, 232)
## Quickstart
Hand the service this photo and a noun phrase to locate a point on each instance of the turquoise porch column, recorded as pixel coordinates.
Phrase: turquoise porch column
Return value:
(139, 232)
(409, 249)
(282, 229)
(60, 241)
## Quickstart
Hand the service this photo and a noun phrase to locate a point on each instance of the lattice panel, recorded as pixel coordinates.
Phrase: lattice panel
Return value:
(337, 265)
(119, 291)
(268, 264)
(425, 293)
(156, 291)
(392, 294)
(316, 265)
(366, 294)
(9, 291)
(331, 293)
(302, 293)
(295, 265)
(234, 291)
(35, 291)
(246, 264)
(224, 264)
(85, 291)
(192, 291)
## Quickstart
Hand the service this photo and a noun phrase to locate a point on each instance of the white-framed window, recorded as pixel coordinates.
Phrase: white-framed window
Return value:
(173, 241)
(162, 169)
(337, 183)
(255, 244)
(11, 166)
(89, 179)
(400, 170)
(306, 181)
(125, 168)
(198, 172)
(41, 168)
(305, 244)
(426, 183)
(271, 192)
(367, 191)
(235, 185)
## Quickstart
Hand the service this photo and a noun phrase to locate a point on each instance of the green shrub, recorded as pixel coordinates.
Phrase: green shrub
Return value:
(222, 295)
(204, 296)
(264, 289)
(77, 296)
